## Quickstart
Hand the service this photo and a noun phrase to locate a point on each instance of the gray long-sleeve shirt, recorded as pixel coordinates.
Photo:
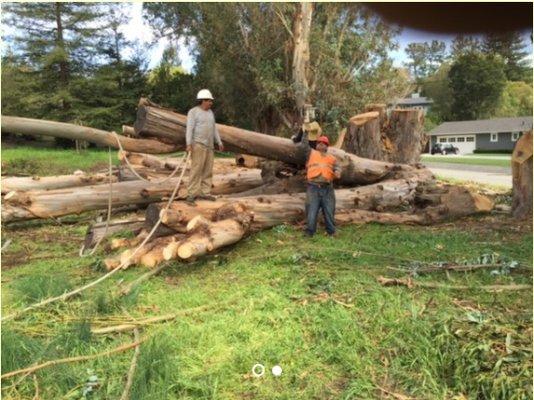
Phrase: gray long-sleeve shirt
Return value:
(201, 128)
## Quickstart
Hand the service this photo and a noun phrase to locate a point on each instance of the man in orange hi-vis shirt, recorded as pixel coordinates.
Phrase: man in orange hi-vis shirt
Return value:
(322, 169)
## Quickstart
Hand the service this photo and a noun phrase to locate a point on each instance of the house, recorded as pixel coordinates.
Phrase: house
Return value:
(414, 101)
(496, 134)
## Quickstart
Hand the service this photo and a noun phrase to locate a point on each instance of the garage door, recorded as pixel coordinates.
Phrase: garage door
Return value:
(465, 144)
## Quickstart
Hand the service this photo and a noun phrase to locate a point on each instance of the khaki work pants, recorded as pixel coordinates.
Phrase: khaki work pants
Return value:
(201, 171)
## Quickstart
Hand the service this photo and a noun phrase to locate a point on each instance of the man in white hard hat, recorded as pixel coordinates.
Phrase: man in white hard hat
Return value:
(201, 133)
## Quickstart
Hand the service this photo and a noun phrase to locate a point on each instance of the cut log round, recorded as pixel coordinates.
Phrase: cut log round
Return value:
(30, 126)
(128, 131)
(522, 177)
(197, 223)
(219, 234)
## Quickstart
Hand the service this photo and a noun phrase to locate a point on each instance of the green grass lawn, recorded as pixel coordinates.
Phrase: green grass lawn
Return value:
(468, 160)
(29, 160)
(312, 306)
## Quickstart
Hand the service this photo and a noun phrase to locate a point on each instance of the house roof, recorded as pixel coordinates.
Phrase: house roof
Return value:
(517, 124)
(410, 101)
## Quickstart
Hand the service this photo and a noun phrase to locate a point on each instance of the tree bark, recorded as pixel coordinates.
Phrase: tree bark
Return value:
(165, 165)
(399, 139)
(30, 126)
(55, 203)
(211, 225)
(301, 52)
(153, 120)
(128, 131)
(23, 184)
(522, 177)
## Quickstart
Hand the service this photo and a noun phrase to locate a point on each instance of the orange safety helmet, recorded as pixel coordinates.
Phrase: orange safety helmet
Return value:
(323, 139)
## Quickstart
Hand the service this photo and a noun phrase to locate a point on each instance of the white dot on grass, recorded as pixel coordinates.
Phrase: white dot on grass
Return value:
(277, 370)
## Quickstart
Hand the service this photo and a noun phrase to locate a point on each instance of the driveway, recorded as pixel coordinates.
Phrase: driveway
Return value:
(486, 174)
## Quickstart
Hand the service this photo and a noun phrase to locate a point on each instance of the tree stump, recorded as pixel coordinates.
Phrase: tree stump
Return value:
(399, 138)
(522, 177)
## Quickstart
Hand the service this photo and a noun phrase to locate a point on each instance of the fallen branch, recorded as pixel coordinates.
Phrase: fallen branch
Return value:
(47, 364)
(131, 371)
(128, 289)
(455, 267)
(410, 283)
(132, 325)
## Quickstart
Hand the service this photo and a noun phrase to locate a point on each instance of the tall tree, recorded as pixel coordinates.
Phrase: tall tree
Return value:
(425, 58)
(56, 40)
(463, 44)
(477, 82)
(511, 47)
(245, 52)
(437, 87)
(72, 55)
(516, 100)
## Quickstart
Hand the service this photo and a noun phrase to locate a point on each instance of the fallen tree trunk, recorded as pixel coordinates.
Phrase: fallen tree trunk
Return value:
(54, 203)
(208, 226)
(522, 177)
(10, 184)
(155, 121)
(28, 126)
(161, 164)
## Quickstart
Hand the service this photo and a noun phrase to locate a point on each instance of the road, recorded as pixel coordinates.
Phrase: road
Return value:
(501, 176)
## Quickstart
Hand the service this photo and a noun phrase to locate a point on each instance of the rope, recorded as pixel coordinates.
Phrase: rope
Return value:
(132, 169)
(110, 200)
(122, 265)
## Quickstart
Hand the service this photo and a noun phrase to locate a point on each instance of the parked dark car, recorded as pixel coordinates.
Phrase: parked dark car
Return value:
(444, 148)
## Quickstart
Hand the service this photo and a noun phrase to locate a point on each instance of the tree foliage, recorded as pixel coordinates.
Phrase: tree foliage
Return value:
(510, 47)
(477, 82)
(243, 53)
(66, 64)
(515, 101)
(425, 57)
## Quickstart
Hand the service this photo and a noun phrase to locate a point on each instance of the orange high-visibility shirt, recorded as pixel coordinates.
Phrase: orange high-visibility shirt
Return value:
(321, 165)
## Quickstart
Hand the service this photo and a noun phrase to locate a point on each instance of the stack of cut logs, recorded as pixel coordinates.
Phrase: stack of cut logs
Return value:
(263, 186)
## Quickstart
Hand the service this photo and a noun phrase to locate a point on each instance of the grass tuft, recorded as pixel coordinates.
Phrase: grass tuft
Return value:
(37, 287)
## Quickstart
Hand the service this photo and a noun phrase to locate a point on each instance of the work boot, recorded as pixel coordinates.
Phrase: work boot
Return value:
(190, 200)
(207, 197)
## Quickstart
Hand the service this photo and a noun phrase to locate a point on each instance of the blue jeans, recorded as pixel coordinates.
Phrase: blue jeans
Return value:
(317, 198)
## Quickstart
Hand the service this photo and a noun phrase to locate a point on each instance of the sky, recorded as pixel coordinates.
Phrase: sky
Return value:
(138, 29)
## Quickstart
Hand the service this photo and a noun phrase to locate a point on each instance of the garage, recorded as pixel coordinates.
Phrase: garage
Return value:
(466, 144)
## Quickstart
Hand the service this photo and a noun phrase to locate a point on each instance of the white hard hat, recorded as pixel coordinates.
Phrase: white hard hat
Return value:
(204, 94)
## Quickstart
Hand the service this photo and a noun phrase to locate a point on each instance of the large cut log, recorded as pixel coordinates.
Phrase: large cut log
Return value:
(399, 139)
(272, 210)
(54, 203)
(23, 184)
(29, 126)
(214, 236)
(208, 229)
(522, 177)
(159, 122)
